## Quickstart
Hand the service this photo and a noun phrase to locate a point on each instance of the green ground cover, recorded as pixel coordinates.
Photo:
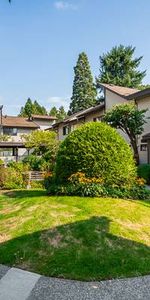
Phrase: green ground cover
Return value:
(75, 237)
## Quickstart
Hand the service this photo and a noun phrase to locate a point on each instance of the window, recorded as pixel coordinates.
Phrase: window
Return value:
(66, 130)
(6, 152)
(10, 131)
(143, 147)
(97, 119)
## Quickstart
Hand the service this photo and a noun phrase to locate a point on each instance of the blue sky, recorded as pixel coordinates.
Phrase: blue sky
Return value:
(41, 40)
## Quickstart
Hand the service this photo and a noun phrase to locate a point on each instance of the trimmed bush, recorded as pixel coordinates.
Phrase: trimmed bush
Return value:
(144, 172)
(97, 150)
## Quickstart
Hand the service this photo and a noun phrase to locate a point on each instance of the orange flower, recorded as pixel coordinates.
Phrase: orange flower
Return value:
(80, 177)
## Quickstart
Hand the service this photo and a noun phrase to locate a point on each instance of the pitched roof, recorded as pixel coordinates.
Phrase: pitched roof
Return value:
(80, 114)
(119, 90)
(45, 117)
(140, 94)
(10, 121)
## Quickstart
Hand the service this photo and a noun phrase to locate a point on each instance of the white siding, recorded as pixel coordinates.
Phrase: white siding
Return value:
(112, 99)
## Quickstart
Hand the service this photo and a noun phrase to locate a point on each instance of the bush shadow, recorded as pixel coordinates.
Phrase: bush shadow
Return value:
(83, 250)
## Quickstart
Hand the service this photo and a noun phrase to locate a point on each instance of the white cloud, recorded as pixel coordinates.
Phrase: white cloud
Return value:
(64, 5)
(58, 101)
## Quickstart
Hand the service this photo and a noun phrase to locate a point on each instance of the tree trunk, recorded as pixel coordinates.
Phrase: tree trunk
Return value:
(135, 150)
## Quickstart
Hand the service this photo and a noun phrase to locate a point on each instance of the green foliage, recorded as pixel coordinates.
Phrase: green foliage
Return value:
(53, 111)
(4, 138)
(144, 86)
(130, 120)
(44, 144)
(97, 150)
(41, 140)
(18, 166)
(37, 184)
(31, 108)
(59, 113)
(144, 172)
(119, 67)
(97, 190)
(1, 162)
(38, 109)
(15, 176)
(35, 163)
(84, 90)
(27, 110)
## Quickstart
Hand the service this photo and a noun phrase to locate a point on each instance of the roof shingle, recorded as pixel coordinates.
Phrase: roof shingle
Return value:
(10, 121)
(119, 90)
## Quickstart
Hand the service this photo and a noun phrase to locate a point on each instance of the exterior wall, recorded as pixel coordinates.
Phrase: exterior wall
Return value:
(73, 125)
(6, 156)
(90, 117)
(144, 104)
(44, 124)
(112, 99)
(20, 132)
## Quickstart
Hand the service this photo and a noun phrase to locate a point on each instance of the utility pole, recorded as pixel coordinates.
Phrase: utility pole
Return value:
(1, 119)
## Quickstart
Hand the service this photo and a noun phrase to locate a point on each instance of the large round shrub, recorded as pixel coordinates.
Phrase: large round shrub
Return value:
(97, 150)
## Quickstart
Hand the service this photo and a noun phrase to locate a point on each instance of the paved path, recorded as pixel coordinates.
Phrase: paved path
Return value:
(16, 284)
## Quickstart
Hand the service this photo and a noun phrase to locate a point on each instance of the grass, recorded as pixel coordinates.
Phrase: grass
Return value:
(73, 237)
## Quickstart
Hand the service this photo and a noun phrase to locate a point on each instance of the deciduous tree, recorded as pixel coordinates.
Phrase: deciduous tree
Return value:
(130, 120)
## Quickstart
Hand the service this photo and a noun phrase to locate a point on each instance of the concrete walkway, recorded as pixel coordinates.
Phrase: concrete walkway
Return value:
(16, 284)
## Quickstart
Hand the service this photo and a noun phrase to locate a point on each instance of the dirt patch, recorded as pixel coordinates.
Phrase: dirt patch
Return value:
(57, 206)
(130, 225)
(61, 214)
(10, 209)
(54, 238)
(32, 208)
(4, 237)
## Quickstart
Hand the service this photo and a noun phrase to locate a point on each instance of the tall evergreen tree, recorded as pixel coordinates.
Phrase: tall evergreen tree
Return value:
(59, 113)
(53, 111)
(84, 91)
(28, 109)
(38, 109)
(31, 108)
(119, 67)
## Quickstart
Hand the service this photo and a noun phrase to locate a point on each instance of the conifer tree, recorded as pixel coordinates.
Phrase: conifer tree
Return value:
(84, 91)
(53, 111)
(31, 108)
(38, 109)
(120, 67)
(59, 113)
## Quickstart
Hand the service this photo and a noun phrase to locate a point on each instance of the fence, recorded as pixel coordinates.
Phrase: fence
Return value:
(36, 175)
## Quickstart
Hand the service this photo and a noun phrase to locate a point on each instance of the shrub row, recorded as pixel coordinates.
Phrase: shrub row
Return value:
(79, 185)
(16, 176)
(96, 190)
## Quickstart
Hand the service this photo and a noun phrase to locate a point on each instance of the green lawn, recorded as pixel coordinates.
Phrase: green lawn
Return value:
(73, 237)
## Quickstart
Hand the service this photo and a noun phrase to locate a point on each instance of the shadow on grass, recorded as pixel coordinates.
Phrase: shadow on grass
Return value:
(83, 250)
